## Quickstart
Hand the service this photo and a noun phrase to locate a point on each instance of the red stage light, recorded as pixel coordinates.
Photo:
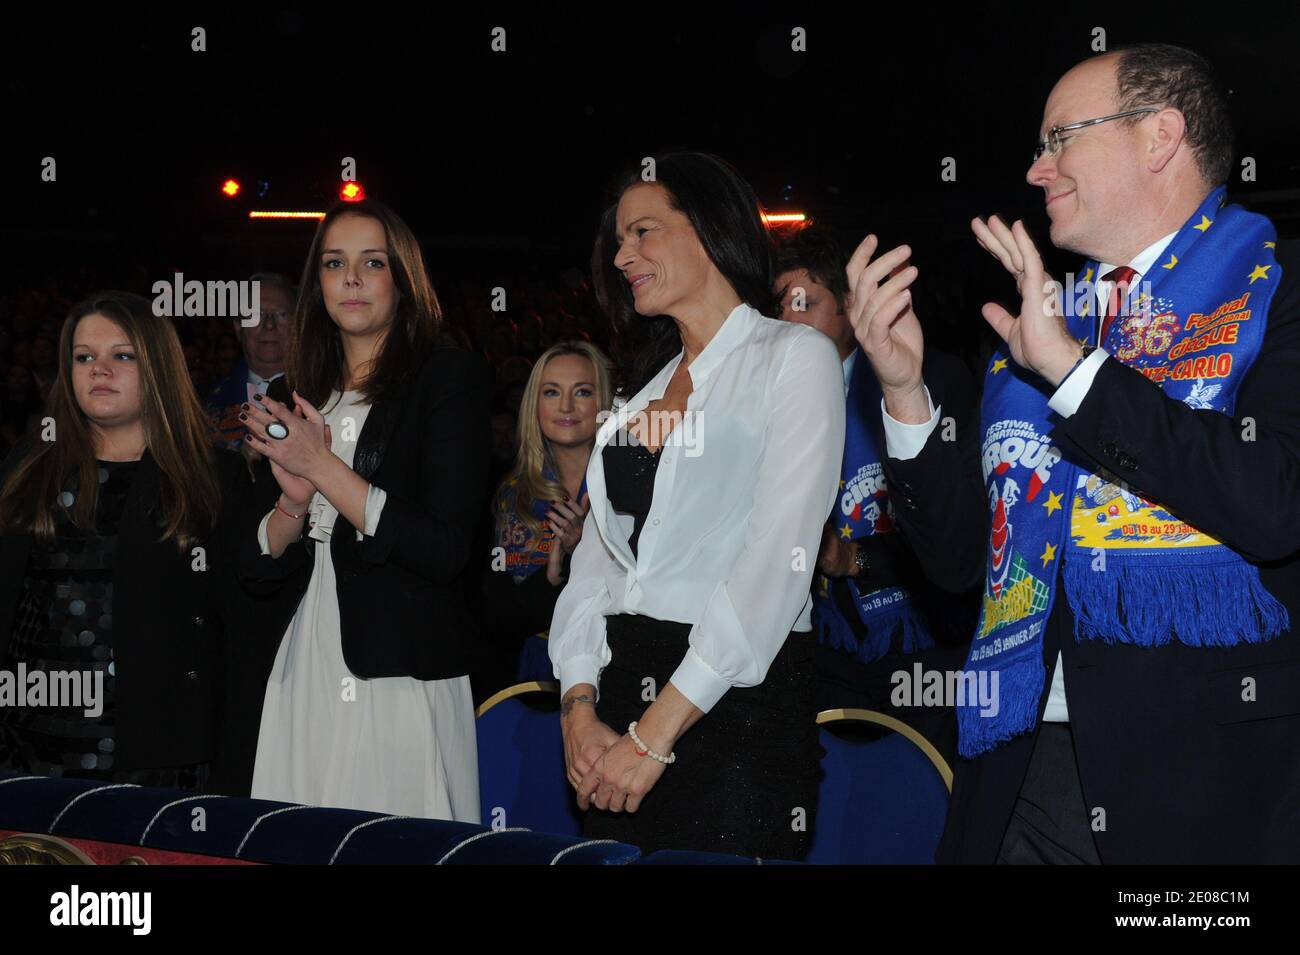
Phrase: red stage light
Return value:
(231, 188)
(352, 192)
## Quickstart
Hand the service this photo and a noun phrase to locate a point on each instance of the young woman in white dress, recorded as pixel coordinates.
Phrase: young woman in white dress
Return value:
(380, 446)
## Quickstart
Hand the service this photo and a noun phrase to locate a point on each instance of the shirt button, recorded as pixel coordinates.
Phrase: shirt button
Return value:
(655, 522)
(193, 674)
(198, 621)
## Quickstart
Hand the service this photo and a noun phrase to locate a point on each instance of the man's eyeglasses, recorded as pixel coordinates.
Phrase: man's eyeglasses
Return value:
(1051, 143)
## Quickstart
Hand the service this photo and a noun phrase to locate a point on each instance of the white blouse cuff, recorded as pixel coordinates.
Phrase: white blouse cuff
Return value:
(375, 498)
(699, 682)
(263, 541)
(579, 669)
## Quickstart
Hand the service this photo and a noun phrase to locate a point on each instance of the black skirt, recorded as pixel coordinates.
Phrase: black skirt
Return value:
(746, 776)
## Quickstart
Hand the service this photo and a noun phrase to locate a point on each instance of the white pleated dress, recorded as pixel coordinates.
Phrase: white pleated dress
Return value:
(328, 738)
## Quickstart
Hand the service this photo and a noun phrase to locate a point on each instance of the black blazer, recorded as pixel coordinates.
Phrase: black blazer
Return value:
(403, 592)
(168, 622)
(1184, 768)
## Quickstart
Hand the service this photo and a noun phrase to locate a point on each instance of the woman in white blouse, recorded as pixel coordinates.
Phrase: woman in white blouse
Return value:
(682, 641)
(367, 704)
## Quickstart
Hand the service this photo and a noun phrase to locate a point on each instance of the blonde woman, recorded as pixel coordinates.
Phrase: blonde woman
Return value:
(539, 508)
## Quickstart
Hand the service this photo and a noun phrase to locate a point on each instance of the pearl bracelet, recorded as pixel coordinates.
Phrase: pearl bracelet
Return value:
(643, 750)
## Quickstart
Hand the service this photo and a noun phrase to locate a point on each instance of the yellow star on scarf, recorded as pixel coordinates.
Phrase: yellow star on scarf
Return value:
(1173, 260)
(999, 365)
(841, 482)
(1087, 276)
(1204, 224)
(1270, 245)
(1049, 554)
(1053, 502)
(1084, 311)
(1261, 272)
(846, 532)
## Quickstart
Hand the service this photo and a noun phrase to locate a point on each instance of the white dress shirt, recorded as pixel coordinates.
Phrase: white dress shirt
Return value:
(848, 369)
(745, 482)
(257, 385)
(905, 441)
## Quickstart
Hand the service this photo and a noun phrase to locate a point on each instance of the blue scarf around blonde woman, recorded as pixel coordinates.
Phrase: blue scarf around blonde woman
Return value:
(526, 553)
(1134, 572)
(863, 509)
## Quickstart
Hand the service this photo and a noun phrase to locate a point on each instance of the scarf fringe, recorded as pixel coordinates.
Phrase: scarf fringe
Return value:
(1020, 687)
(1215, 605)
(834, 631)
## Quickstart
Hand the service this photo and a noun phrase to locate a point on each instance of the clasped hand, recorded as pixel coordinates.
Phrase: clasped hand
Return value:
(605, 769)
(298, 458)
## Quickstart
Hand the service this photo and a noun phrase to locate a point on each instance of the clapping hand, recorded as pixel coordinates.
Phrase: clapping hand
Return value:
(566, 518)
(1037, 338)
(887, 328)
(297, 456)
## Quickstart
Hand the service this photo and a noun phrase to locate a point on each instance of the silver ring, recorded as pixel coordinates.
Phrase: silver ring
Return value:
(277, 430)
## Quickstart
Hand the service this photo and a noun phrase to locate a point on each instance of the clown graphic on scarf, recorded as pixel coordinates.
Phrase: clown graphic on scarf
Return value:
(1133, 572)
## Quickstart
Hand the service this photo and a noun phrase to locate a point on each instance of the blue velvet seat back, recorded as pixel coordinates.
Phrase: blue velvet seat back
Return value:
(521, 770)
(880, 802)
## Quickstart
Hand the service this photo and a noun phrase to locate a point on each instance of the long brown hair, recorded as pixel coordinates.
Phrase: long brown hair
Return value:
(175, 432)
(534, 449)
(315, 366)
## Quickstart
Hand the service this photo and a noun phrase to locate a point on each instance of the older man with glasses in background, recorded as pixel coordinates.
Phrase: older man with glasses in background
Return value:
(265, 345)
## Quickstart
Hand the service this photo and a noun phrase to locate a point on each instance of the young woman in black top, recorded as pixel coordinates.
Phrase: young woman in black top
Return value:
(113, 523)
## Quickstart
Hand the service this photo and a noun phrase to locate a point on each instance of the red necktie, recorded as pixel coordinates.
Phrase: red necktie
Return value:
(1120, 277)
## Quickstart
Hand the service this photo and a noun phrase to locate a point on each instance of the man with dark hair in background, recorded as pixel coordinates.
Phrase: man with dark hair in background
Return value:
(875, 615)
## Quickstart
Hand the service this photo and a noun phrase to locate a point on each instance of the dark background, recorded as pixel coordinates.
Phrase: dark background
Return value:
(499, 161)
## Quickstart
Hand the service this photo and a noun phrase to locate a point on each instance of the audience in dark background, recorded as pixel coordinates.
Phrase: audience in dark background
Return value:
(542, 309)
(539, 306)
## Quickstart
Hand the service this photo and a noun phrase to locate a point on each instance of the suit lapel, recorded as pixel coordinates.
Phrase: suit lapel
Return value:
(374, 438)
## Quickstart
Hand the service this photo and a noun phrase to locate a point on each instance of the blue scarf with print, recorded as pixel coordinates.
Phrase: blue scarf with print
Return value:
(526, 553)
(863, 509)
(1134, 572)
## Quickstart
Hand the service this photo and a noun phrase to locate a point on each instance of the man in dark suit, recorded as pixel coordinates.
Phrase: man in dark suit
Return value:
(1140, 743)
(265, 347)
